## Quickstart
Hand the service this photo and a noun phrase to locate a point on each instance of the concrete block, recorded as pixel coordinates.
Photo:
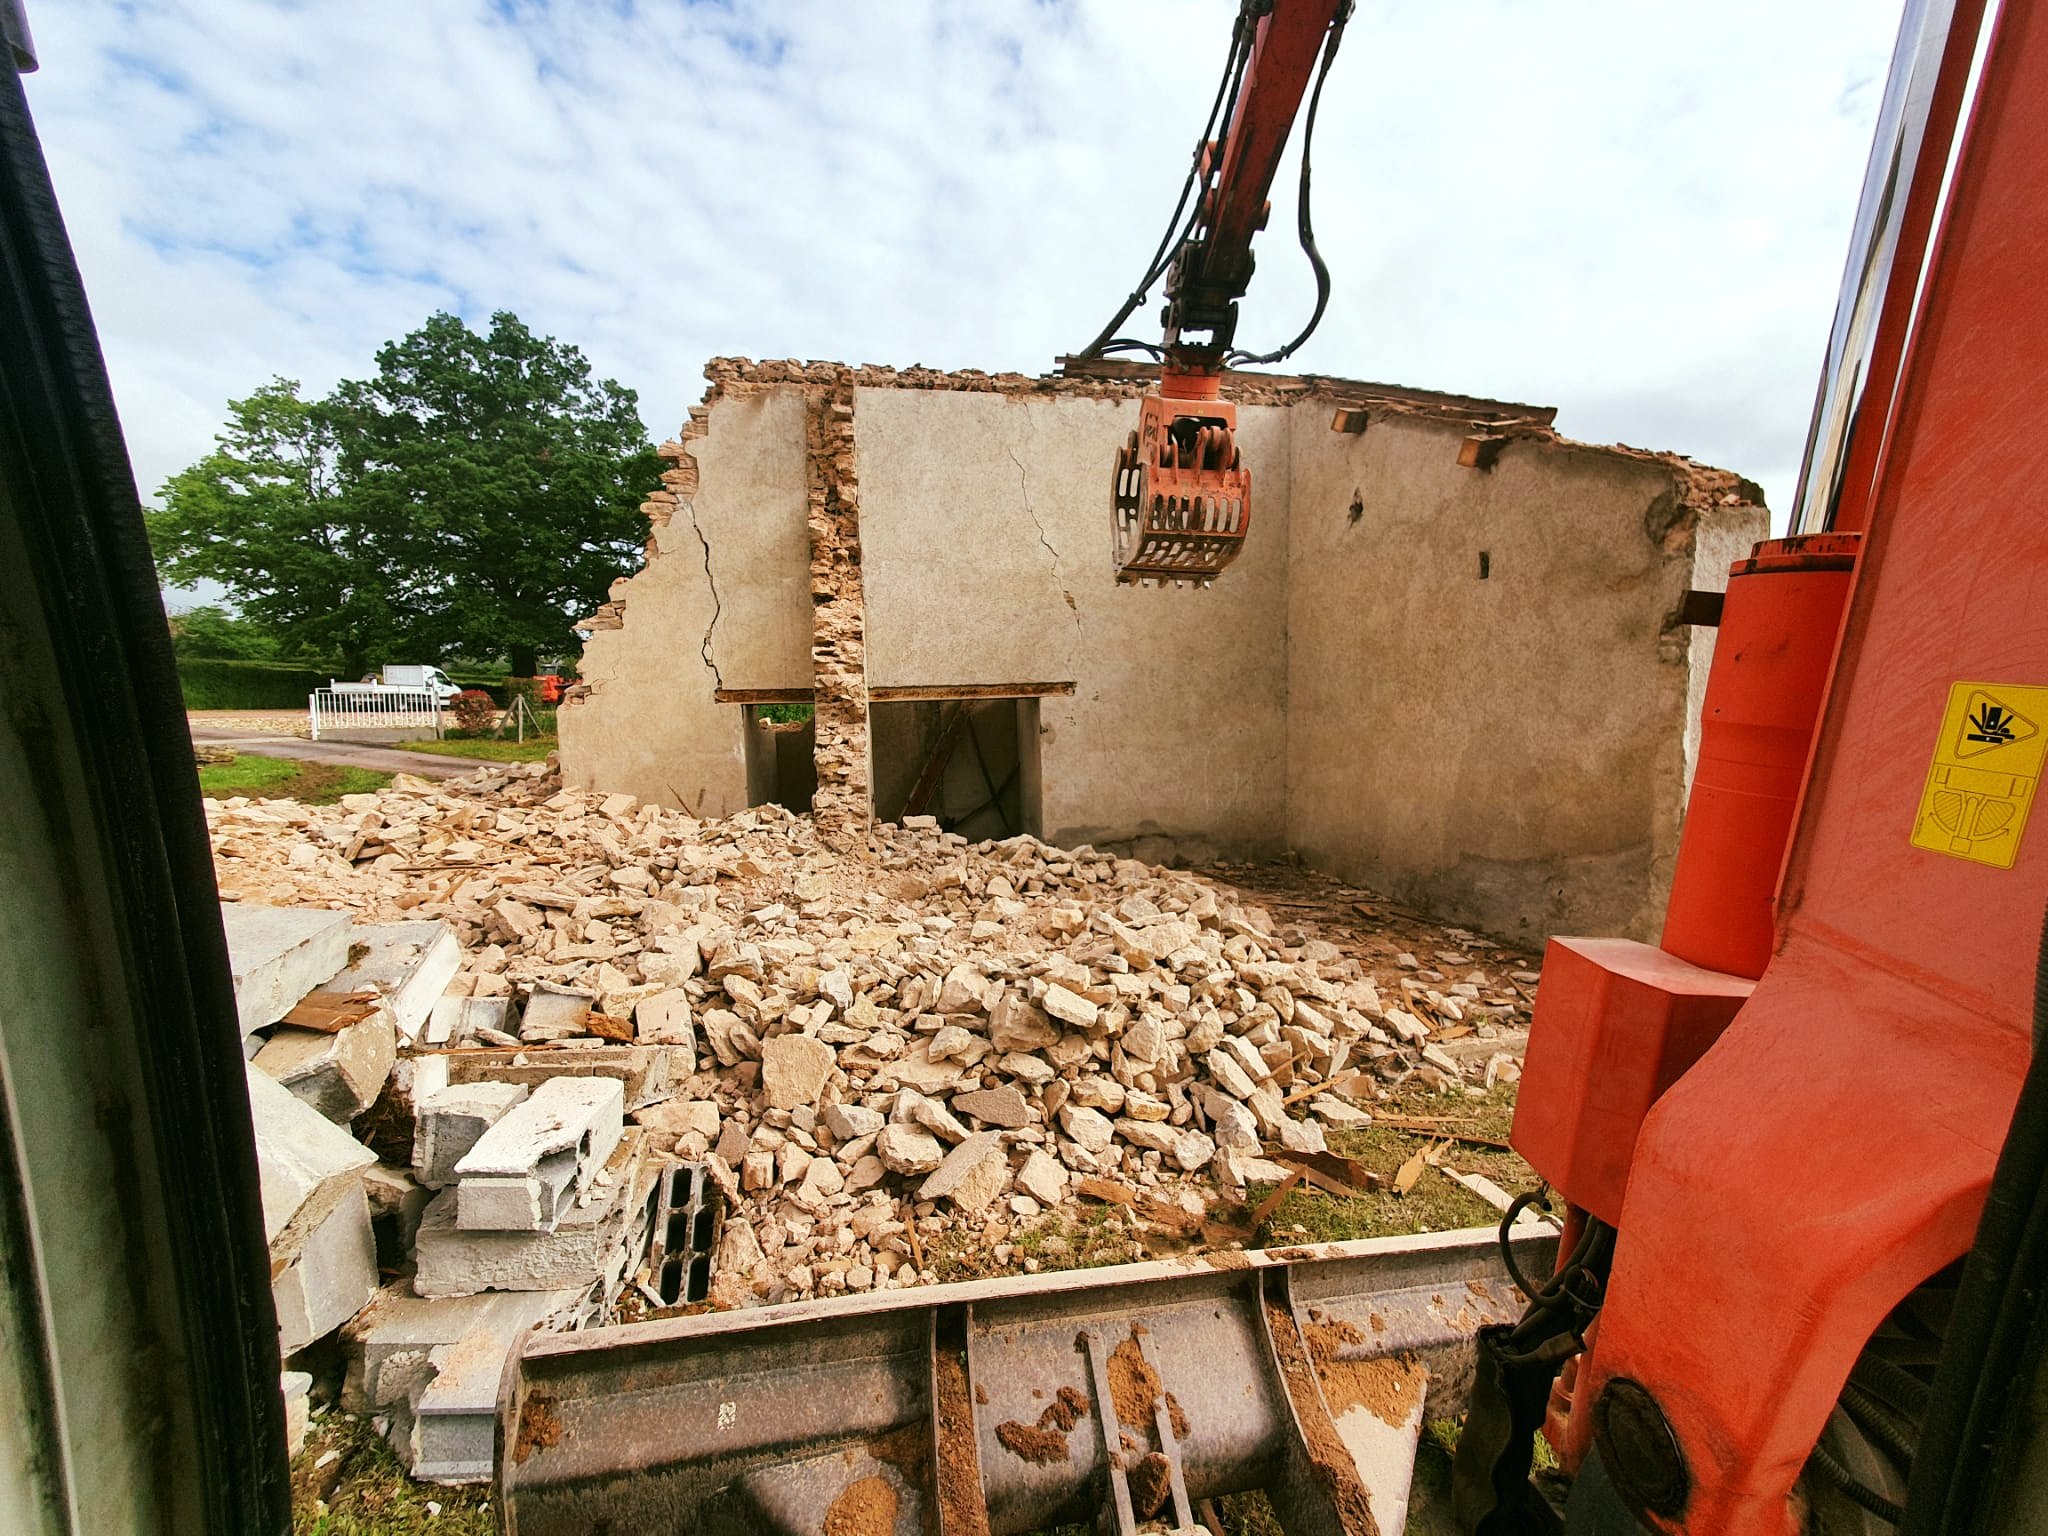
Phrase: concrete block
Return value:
(447, 1123)
(529, 1166)
(454, 1020)
(392, 1340)
(339, 1074)
(306, 1162)
(648, 1073)
(593, 1242)
(397, 1200)
(331, 1280)
(455, 1419)
(410, 963)
(555, 1013)
(663, 1018)
(297, 1387)
(279, 954)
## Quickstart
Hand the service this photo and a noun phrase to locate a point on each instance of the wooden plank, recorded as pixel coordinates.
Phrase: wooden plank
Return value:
(1109, 1191)
(934, 769)
(1271, 1203)
(761, 695)
(1441, 1128)
(331, 1012)
(902, 693)
(1329, 1168)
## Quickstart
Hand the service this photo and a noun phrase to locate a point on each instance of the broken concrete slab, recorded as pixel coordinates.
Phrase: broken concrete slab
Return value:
(398, 1329)
(297, 1387)
(396, 1201)
(555, 1013)
(331, 1280)
(340, 1074)
(458, 1020)
(437, 1364)
(591, 1243)
(307, 1165)
(449, 1122)
(664, 1018)
(279, 954)
(648, 1073)
(409, 963)
(542, 1154)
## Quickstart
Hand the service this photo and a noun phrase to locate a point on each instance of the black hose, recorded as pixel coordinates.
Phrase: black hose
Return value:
(1838, 1477)
(1892, 1383)
(1304, 227)
(1176, 235)
(1878, 1422)
(1536, 1197)
(2041, 986)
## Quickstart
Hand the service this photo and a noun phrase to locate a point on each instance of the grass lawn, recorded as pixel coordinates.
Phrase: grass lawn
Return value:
(280, 778)
(361, 1490)
(531, 750)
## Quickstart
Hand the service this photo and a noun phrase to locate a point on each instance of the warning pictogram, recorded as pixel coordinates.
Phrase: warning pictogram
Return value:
(1989, 723)
(1987, 765)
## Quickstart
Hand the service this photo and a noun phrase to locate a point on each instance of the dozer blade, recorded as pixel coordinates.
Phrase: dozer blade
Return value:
(1180, 494)
(1118, 1396)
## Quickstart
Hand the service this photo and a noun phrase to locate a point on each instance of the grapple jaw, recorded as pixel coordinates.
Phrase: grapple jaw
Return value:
(1181, 496)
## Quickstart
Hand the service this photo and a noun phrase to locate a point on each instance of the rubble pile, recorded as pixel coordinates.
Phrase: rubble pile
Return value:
(867, 1050)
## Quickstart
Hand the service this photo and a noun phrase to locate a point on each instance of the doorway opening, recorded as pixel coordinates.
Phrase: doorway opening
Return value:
(973, 763)
(781, 768)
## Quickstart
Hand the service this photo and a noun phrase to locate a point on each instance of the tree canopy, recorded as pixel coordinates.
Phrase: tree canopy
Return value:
(473, 497)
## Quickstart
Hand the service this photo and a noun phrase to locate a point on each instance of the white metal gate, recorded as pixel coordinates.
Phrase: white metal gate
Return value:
(366, 710)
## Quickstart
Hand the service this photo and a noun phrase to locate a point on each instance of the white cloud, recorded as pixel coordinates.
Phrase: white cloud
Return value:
(1636, 213)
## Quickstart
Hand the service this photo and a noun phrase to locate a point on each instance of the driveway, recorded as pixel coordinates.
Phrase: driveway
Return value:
(343, 754)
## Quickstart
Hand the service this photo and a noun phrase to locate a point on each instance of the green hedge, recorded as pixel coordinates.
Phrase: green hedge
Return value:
(210, 683)
(216, 684)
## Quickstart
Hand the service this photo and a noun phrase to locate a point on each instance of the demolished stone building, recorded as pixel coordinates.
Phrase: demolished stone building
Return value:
(1450, 663)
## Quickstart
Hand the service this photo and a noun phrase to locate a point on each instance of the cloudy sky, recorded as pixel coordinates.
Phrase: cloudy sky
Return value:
(1635, 210)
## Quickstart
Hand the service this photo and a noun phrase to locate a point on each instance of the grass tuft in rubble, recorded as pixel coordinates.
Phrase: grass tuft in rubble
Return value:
(485, 749)
(1435, 1203)
(363, 1491)
(277, 778)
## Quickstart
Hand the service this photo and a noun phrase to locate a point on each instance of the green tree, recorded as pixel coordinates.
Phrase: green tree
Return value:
(502, 481)
(211, 633)
(474, 497)
(264, 515)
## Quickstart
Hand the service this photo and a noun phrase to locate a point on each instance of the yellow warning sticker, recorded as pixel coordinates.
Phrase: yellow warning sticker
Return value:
(1987, 765)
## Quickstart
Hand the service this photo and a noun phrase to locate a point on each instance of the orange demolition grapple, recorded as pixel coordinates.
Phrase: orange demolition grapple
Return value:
(1181, 494)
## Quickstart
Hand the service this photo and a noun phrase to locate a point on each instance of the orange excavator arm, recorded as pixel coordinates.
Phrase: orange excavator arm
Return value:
(1181, 501)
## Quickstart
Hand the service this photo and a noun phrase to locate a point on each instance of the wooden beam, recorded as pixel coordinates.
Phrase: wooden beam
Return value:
(896, 695)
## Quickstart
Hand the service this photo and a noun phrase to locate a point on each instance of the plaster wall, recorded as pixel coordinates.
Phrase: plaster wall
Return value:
(1510, 749)
(986, 559)
(724, 601)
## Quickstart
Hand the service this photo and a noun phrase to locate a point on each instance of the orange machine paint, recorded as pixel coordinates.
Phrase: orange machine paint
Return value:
(1779, 624)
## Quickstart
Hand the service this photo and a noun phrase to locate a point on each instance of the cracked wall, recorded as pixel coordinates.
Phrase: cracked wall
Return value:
(723, 601)
(1513, 750)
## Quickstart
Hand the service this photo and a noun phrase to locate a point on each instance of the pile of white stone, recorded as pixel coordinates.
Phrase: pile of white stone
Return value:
(873, 1048)
(510, 1205)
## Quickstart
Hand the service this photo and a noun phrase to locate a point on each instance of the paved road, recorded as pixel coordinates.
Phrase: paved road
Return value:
(345, 754)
